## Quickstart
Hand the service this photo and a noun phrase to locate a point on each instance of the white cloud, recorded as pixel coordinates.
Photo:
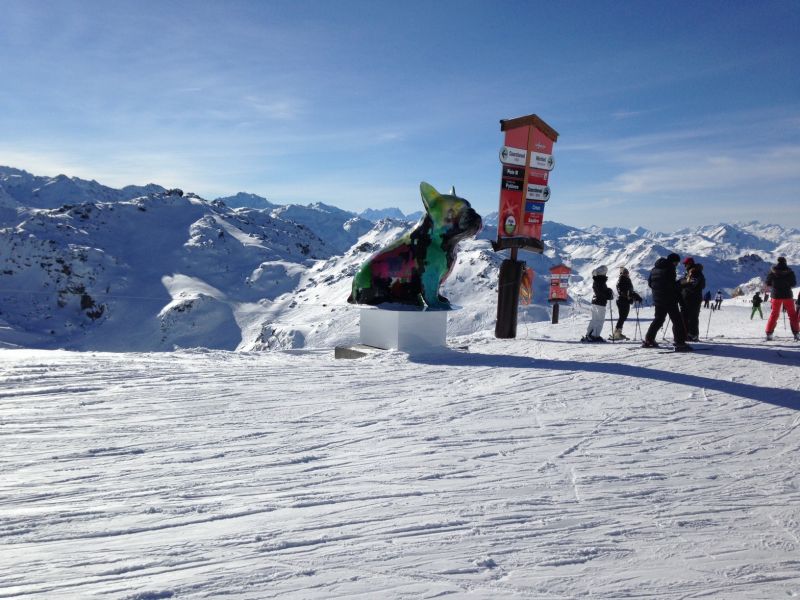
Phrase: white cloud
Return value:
(277, 109)
(694, 171)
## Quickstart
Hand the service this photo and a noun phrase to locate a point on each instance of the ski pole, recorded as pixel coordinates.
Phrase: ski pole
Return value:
(784, 318)
(611, 308)
(666, 325)
(638, 328)
(709, 322)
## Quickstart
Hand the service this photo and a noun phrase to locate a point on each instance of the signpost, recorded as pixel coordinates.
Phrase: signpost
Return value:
(559, 284)
(527, 159)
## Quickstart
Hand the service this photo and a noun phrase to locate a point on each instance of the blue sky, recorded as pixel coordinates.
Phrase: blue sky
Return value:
(671, 114)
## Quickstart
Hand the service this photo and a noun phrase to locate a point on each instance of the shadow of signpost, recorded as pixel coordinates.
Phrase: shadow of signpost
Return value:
(771, 395)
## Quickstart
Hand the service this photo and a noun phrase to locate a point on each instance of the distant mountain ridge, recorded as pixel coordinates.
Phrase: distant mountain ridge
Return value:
(83, 266)
(34, 191)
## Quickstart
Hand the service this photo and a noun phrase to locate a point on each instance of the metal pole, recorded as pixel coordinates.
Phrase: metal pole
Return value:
(508, 298)
(611, 308)
(666, 326)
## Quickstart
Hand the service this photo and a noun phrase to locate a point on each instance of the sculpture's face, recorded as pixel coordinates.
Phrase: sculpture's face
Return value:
(452, 217)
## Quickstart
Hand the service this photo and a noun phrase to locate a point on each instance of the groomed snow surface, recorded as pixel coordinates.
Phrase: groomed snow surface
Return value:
(533, 468)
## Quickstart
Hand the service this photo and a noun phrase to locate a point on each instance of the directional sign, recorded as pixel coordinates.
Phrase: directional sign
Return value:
(538, 176)
(540, 193)
(513, 156)
(513, 173)
(534, 218)
(527, 158)
(542, 161)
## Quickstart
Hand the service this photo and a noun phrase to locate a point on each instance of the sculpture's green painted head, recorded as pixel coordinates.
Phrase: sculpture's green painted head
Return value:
(452, 217)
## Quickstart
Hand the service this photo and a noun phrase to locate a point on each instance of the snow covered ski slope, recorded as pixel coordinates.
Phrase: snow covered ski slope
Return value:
(530, 468)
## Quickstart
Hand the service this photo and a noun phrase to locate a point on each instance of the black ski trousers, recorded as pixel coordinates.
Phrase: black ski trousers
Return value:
(678, 330)
(691, 310)
(624, 309)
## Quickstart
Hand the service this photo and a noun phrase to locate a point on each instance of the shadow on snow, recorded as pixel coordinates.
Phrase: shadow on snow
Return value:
(771, 395)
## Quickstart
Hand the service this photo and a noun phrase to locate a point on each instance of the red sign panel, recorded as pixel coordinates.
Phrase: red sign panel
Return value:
(538, 176)
(521, 210)
(559, 283)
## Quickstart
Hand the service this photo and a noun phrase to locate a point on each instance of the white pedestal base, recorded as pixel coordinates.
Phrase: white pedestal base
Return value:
(405, 330)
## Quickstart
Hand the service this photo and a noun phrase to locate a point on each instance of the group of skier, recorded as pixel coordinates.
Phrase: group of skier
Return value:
(680, 300)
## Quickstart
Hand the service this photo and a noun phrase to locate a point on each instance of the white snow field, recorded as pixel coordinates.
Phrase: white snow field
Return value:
(534, 468)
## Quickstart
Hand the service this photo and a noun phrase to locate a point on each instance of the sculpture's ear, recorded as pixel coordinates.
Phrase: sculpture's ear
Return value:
(429, 194)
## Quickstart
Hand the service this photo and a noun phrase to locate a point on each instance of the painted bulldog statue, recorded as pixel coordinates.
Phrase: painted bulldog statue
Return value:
(411, 269)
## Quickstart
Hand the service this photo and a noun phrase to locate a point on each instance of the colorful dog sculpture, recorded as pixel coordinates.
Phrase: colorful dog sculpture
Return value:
(411, 269)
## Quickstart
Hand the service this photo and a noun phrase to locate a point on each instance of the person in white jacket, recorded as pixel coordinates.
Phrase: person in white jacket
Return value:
(602, 294)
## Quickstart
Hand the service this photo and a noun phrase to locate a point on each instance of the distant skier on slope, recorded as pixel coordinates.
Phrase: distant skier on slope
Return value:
(625, 297)
(665, 298)
(756, 302)
(692, 284)
(782, 279)
(602, 294)
(707, 299)
(718, 300)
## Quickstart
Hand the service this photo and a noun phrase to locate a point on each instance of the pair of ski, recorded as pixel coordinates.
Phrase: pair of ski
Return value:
(671, 349)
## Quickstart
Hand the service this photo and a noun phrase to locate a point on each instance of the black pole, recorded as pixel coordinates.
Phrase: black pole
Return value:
(555, 313)
(508, 298)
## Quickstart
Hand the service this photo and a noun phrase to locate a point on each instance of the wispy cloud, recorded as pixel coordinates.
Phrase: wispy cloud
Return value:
(277, 109)
(737, 173)
(624, 114)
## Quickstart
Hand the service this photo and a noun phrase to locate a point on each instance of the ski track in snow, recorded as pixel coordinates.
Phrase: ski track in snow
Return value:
(528, 468)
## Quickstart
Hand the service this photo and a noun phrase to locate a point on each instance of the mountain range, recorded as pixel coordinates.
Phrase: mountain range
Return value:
(88, 267)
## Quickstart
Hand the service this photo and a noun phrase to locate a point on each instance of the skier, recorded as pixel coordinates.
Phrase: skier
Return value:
(625, 296)
(718, 300)
(692, 285)
(756, 306)
(782, 279)
(707, 299)
(665, 298)
(602, 294)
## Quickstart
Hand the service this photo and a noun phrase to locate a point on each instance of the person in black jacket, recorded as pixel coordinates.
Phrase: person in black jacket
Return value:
(625, 297)
(665, 298)
(691, 285)
(782, 279)
(602, 294)
(756, 301)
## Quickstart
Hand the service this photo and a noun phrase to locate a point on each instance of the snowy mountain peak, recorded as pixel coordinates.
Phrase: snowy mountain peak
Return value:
(245, 200)
(376, 214)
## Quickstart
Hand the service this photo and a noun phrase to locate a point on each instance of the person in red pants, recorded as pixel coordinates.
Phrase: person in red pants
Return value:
(782, 279)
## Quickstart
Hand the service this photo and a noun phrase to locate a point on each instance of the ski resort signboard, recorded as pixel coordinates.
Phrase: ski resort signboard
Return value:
(527, 159)
(559, 283)
(559, 286)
